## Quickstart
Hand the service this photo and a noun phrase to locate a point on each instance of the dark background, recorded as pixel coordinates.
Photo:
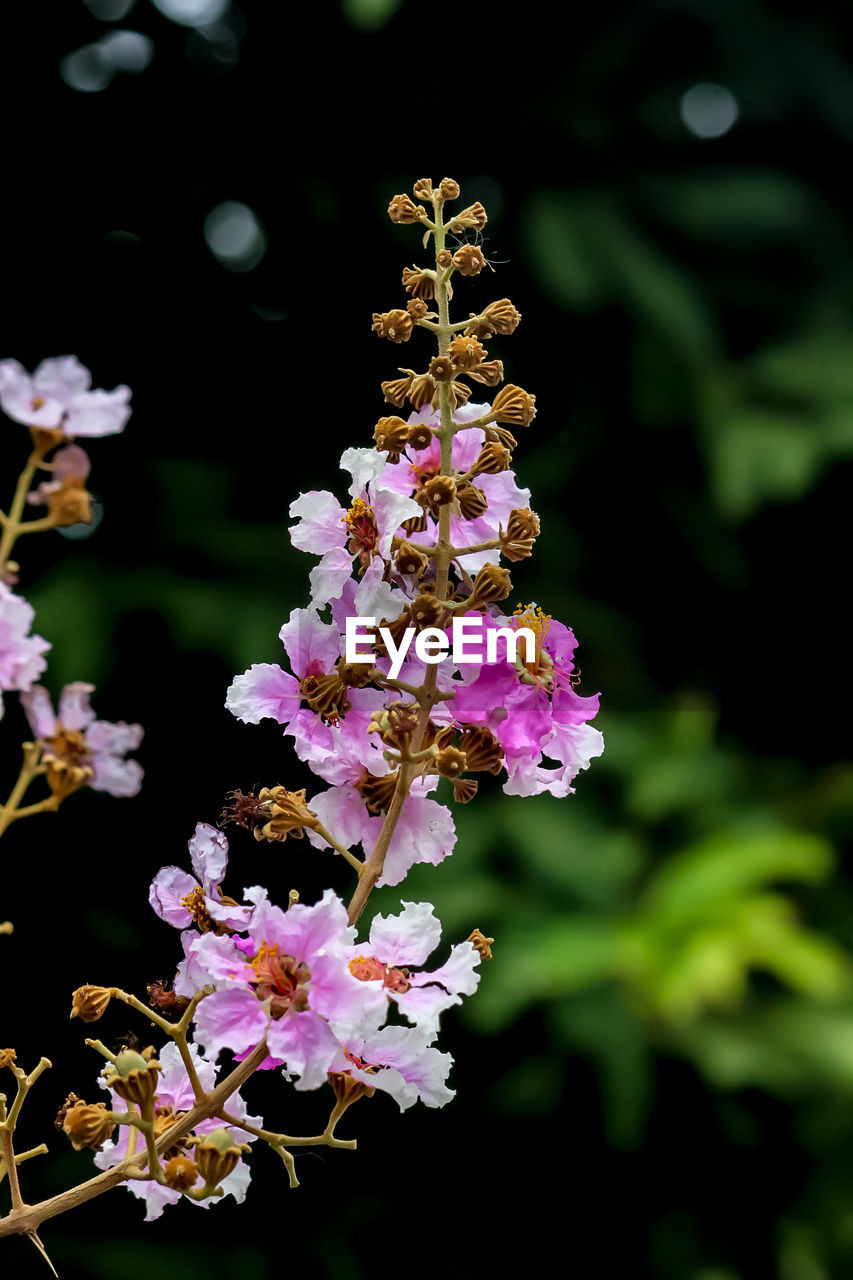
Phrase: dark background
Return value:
(656, 1078)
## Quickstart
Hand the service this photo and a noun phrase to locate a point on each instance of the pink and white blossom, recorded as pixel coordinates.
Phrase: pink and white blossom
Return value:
(182, 900)
(106, 744)
(59, 395)
(21, 661)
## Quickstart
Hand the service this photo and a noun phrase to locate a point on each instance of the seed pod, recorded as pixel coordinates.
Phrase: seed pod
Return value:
(327, 695)
(497, 317)
(396, 326)
(217, 1155)
(427, 611)
(420, 437)
(448, 189)
(450, 762)
(410, 559)
(491, 460)
(502, 436)
(89, 1003)
(283, 813)
(444, 258)
(422, 389)
(441, 368)
(180, 1173)
(417, 308)
(423, 189)
(521, 532)
(440, 491)
(134, 1079)
(459, 394)
(402, 210)
(472, 501)
(396, 725)
(347, 1089)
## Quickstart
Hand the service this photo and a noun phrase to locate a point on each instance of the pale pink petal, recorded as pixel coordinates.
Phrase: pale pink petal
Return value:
(321, 522)
(234, 1020)
(168, 889)
(306, 1044)
(263, 692)
(39, 711)
(74, 711)
(312, 646)
(407, 938)
(208, 848)
(98, 413)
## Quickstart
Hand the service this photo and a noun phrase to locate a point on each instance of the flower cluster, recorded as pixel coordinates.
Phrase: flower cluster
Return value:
(432, 515)
(71, 748)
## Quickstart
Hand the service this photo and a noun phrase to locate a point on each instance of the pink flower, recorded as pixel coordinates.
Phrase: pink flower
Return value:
(338, 535)
(96, 743)
(400, 1061)
(395, 945)
(289, 982)
(174, 1093)
(58, 395)
(20, 653)
(181, 900)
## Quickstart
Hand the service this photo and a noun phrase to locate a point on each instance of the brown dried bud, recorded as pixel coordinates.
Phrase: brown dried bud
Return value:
(396, 724)
(417, 308)
(472, 501)
(520, 534)
(497, 317)
(444, 258)
(514, 405)
(472, 216)
(217, 1155)
(466, 353)
(441, 368)
(7, 1058)
(483, 751)
(450, 762)
(355, 675)
(286, 814)
(491, 460)
(396, 628)
(502, 436)
(420, 436)
(134, 1079)
(394, 325)
(440, 491)
(390, 435)
(423, 189)
(464, 790)
(427, 611)
(415, 524)
(86, 1125)
(448, 189)
(396, 390)
(422, 390)
(377, 793)
(327, 695)
(491, 372)
(401, 209)
(162, 997)
(89, 1003)
(481, 943)
(180, 1173)
(410, 559)
(419, 282)
(469, 260)
(492, 583)
(347, 1089)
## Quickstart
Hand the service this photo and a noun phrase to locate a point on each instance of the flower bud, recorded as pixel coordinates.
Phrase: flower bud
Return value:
(469, 260)
(402, 210)
(419, 282)
(427, 611)
(347, 1089)
(420, 436)
(466, 353)
(448, 189)
(491, 460)
(490, 372)
(440, 490)
(472, 501)
(396, 725)
(423, 189)
(481, 943)
(410, 559)
(483, 751)
(377, 793)
(521, 532)
(444, 258)
(390, 435)
(441, 368)
(422, 390)
(180, 1173)
(450, 762)
(396, 390)
(133, 1078)
(417, 308)
(472, 216)
(217, 1155)
(86, 1125)
(8, 1057)
(502, 436)
(89, 1003)
(396, 326)
(497, 317)
(492, 583)
(514, 405)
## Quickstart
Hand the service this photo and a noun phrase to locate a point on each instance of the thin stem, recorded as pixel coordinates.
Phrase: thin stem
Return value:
(30, 769)
(354, 862)
(11, 523)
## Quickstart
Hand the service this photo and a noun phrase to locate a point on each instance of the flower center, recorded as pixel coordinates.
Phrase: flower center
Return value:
(195, 904)
(68, 745)
(281, 980)
(361, 525)
(361, 1064)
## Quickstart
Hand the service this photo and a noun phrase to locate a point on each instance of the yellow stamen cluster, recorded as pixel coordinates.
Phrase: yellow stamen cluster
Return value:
(357, 512)
(532, 617)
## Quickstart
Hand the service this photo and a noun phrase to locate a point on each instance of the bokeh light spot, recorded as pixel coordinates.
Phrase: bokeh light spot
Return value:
(709, 110)
(109, 10)
(192, 13)
(234, 236)
(127, 50)
(88, 70)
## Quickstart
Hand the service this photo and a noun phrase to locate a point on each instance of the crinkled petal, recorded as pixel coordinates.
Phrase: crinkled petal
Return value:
(234, 1020)
(74, 710)
(312, 646)
(98, 413)
(115, 776)
(263, 692)
(168, 889)
(321, 522)
(208, 848)
(425, 832)
(306, 1044)
(39, 711)
(407, 938)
